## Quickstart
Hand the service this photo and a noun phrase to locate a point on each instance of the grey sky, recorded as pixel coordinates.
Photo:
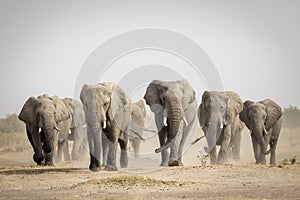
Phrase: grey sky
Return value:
(253, 44)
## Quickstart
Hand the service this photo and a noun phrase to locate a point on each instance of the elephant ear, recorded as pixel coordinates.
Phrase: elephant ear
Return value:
(244, 114)
(234, 106)
(201, 111)
(189, 94)
(120, 106)
(61, 110)
(70, 104)
(274, 112)
(27, 113)
(152, 93)
(141, 105)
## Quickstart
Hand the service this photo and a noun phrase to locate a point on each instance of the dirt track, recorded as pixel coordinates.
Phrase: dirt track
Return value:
(21, 179)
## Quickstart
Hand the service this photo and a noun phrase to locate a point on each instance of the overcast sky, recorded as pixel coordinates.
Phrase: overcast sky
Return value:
(254, 45)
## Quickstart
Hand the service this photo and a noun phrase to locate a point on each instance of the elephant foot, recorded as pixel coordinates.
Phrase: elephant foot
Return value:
(174, 163)
(163, 164)
(38, 158)
(94, 169)
(49, 163)
(111, 168)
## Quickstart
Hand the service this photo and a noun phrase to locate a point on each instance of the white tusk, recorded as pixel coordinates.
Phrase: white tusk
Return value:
(165, 121)
(185, 121)
(221, 125)
(40, 130)
(55, 127)
(104, 125)
(83, 126)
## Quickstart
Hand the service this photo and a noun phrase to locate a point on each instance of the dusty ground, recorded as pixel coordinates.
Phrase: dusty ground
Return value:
(21, 179)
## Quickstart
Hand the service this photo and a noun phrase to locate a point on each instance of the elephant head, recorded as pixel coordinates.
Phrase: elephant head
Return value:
(218, 109)
(169, 102)
(104, 103)
(45, 113)
(259, 118)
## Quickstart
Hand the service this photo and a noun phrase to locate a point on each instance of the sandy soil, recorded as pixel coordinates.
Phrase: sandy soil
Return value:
(20, 178)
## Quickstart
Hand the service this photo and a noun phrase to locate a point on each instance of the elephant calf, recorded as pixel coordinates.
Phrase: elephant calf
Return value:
(264, 120)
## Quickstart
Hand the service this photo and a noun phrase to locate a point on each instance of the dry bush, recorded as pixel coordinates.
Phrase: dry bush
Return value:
(16, 142)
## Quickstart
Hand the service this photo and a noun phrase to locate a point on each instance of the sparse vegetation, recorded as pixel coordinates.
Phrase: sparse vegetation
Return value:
(130, 181)
(14, 142)
(11, 124)
(291, 117)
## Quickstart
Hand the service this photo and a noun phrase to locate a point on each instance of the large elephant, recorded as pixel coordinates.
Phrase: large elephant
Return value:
(264, 120)
(108, 112)
(138, 115)
(218, 117)
(174, 106)
(48, 122)
(78, 129)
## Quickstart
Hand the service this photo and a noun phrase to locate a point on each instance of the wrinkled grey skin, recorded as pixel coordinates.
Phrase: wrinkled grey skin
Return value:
(78, 129)
(138, 115)
(52, 116)
(174, 106)
(107, 113)
(218, 117)
(264, 120)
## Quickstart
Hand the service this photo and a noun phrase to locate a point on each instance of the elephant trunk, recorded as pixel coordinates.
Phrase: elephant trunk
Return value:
(259, 134)
(212, 134)
(175, 117)
(49, 128)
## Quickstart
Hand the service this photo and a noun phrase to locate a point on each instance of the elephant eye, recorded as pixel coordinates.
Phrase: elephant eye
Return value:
(105, 104)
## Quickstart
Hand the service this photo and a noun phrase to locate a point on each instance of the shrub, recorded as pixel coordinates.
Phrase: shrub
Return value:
(291, 117)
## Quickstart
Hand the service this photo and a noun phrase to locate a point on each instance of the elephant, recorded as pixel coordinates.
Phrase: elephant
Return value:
(108, 114)
(264, 120)
(218, 118)
(175, 107)
(48, 122)
(78, 129)
(138, 115)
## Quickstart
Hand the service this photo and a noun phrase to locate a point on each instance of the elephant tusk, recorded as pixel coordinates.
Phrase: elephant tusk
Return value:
(197, 140)
(185, 121)
(104, 125)
(221, 126)
(266, 132)
(56, 128)
(40, 130)
(83, 126)
(165, 121)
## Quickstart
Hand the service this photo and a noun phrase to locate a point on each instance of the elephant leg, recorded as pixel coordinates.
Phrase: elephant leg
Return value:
(223, 153)
(174, 148)
(136, 143)
(112, 144)
(38, 156)
(213, 155)
(124, 153)
(162, 135)
(236, 146)
(58, 159)
(105, 149)
(186, 131)
(256, 149)
(94, 140)
(66, 150)
(76, 144)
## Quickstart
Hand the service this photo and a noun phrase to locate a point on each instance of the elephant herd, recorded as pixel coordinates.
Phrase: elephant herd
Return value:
(106, 117)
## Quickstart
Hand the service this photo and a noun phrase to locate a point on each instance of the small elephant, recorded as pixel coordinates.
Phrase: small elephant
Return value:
(108, 113)
(138, 115)
(264, 120)
(78, 129)
(48, 122)
(174, 106)
(218, 118)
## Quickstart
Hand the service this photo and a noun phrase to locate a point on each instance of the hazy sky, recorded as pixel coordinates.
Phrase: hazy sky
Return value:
(255, 45)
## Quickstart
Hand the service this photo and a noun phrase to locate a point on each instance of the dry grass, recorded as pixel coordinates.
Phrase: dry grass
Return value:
(14, 142)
